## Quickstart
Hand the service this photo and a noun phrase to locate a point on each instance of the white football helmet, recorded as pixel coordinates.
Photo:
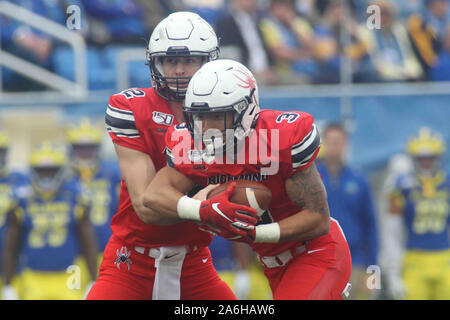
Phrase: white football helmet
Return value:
(181, 34)
(223, 86)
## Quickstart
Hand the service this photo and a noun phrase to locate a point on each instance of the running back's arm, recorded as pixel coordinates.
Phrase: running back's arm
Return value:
(163, 193)
(138, 171)
(306, 191)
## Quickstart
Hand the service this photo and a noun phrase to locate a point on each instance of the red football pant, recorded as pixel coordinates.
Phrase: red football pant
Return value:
(314, 275)
(198, 281)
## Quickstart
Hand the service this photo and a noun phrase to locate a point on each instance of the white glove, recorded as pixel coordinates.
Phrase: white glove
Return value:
(9, 293)
(242, 284)
(88, 288)
(396, 287)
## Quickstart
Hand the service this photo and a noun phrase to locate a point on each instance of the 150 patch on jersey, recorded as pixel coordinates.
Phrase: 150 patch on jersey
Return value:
(162, 118)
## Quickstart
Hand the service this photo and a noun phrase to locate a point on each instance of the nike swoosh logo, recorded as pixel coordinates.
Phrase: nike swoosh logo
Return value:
(168, 257)
(311, 251)
(204, 260)
(215, 206)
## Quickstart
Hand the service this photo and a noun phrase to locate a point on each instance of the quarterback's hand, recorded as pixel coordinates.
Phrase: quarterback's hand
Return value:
(220, 213)
(249, 236)
(233, 234)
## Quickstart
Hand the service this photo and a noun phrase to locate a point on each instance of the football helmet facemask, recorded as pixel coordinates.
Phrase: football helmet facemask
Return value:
(426, 149)
(47, 164)
(181, 34)
(85, 141)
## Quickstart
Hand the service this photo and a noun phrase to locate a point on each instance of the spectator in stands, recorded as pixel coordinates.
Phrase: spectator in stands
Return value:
(241, 39)
(154, 11)
(437, 15)
(309, 9)
(328, 44)
(118, 21)
(210, 10)
(351, 203)
(316, 13)
(427, 31)
(290, 41)
(388, 49)
(441, 71)
(30, 44)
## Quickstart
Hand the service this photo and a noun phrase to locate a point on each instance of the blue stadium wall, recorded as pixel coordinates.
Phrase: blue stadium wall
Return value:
(381, 125)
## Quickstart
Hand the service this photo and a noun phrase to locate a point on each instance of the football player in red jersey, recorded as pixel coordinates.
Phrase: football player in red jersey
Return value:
(304, 252)
(148, 256)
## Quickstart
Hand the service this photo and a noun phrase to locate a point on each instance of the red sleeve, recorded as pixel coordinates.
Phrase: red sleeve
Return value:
(304, 143)
(121, 124)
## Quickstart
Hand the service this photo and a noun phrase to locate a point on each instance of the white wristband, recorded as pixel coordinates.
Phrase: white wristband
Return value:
(188, 208)
(269, 233)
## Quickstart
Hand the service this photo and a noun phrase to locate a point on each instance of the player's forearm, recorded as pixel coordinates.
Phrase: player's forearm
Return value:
(88, 244)
(138, 171)
(162, 197)
(306, 191)
(138, 195)
(303, 226)
(151, 216)
(161, 202)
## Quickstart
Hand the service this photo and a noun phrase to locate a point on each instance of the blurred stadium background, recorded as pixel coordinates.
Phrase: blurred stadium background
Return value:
(55, 70)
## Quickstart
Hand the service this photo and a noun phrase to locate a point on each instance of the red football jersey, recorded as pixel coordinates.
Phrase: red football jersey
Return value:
(138, 119)
(282, 143)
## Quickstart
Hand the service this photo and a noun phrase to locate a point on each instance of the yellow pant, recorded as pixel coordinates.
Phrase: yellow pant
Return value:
(85, 275)
(259, 290)
(426, 275)
(38, 285)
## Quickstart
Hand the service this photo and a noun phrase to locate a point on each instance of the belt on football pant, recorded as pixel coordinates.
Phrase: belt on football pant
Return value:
(155, 252)
(282, 258)
(169, 262)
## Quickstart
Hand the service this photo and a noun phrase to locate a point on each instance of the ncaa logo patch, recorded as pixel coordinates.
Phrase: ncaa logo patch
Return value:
(162, 118)
(123, 256)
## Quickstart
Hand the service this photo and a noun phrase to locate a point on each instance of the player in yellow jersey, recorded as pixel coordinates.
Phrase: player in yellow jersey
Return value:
(11, 183)
(100, 181)
(47, 231)
(419, 204)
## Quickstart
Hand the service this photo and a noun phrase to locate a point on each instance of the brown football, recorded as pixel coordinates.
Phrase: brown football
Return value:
(249, 193)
